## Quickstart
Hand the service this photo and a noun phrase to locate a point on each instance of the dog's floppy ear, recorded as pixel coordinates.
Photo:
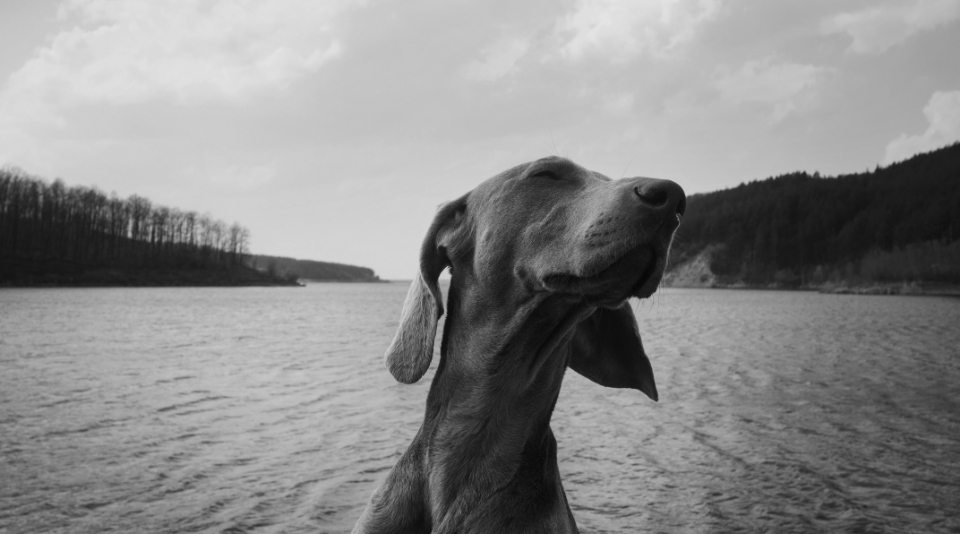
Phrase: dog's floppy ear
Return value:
(606, 348)
(409, 355)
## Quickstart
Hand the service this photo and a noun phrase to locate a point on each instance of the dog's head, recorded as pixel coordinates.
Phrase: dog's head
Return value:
(550, 228)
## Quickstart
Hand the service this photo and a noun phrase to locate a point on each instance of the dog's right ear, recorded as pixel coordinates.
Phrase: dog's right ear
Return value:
(411, 351)
(607, 349)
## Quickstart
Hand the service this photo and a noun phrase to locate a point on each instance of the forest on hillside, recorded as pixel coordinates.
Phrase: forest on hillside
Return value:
(319, 271)
(899, 223)
(54, 234)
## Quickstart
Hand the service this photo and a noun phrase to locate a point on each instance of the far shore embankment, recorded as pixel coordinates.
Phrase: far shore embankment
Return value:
(230, 277)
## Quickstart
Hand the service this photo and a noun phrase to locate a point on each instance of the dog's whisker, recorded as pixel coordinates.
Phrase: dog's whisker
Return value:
(624, 173)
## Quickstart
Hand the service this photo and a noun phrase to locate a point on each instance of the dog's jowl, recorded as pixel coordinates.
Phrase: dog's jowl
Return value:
(544, 257)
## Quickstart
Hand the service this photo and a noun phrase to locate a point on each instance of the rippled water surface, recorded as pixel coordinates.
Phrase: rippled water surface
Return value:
(268, 410)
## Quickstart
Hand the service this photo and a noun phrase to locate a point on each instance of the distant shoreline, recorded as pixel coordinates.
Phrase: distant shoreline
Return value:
(904, 289)
(334, 281)
(311, 270)
(228, 277)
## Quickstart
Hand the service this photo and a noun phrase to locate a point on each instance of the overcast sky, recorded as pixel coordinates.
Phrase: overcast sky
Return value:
(333, 128)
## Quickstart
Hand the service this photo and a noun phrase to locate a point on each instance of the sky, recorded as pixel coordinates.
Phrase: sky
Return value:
(332, 129)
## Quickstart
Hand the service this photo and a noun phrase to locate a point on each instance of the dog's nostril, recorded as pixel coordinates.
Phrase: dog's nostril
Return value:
(654, 196)
(661, 195)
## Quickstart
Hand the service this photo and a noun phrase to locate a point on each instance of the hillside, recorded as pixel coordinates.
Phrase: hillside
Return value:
(894, 225)
(318, 271)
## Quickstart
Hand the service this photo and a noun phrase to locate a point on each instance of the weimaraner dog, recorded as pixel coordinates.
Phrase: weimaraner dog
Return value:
(543, 259)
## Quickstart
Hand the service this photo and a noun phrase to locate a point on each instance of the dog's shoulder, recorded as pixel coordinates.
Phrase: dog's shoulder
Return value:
(399, 505)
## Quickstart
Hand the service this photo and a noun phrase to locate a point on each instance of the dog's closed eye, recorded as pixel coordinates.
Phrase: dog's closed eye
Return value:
(546, 173)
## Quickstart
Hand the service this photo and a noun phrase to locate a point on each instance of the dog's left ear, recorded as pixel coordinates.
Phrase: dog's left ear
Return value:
(606, 348)
(411, 351)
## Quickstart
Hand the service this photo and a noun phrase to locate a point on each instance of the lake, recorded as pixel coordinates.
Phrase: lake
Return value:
(231, 410)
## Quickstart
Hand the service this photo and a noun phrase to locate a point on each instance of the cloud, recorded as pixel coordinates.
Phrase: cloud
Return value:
(785, 87)
(620, 30)
(943, 116)
(875, 29)
(233, 176)
(129, 51)
(498, 60)
(618, 105)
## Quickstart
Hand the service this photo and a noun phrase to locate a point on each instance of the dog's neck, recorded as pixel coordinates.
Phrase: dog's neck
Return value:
(489, 407)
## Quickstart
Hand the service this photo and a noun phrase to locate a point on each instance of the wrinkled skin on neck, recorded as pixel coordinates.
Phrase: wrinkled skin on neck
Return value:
(543, 257)
(488, 432)
(486, 436)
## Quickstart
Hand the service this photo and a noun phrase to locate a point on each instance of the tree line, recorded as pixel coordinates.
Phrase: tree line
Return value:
(896, 223)
(50, 228)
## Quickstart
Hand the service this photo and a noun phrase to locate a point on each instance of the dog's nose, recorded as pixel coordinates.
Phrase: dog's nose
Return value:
(662, 195)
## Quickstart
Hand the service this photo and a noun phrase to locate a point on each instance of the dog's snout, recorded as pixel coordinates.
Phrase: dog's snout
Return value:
(662, 195)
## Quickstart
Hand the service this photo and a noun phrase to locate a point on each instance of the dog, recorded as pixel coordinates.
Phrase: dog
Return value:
(543, 258)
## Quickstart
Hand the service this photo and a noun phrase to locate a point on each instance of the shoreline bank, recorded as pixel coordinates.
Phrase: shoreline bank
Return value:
(912, 288)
